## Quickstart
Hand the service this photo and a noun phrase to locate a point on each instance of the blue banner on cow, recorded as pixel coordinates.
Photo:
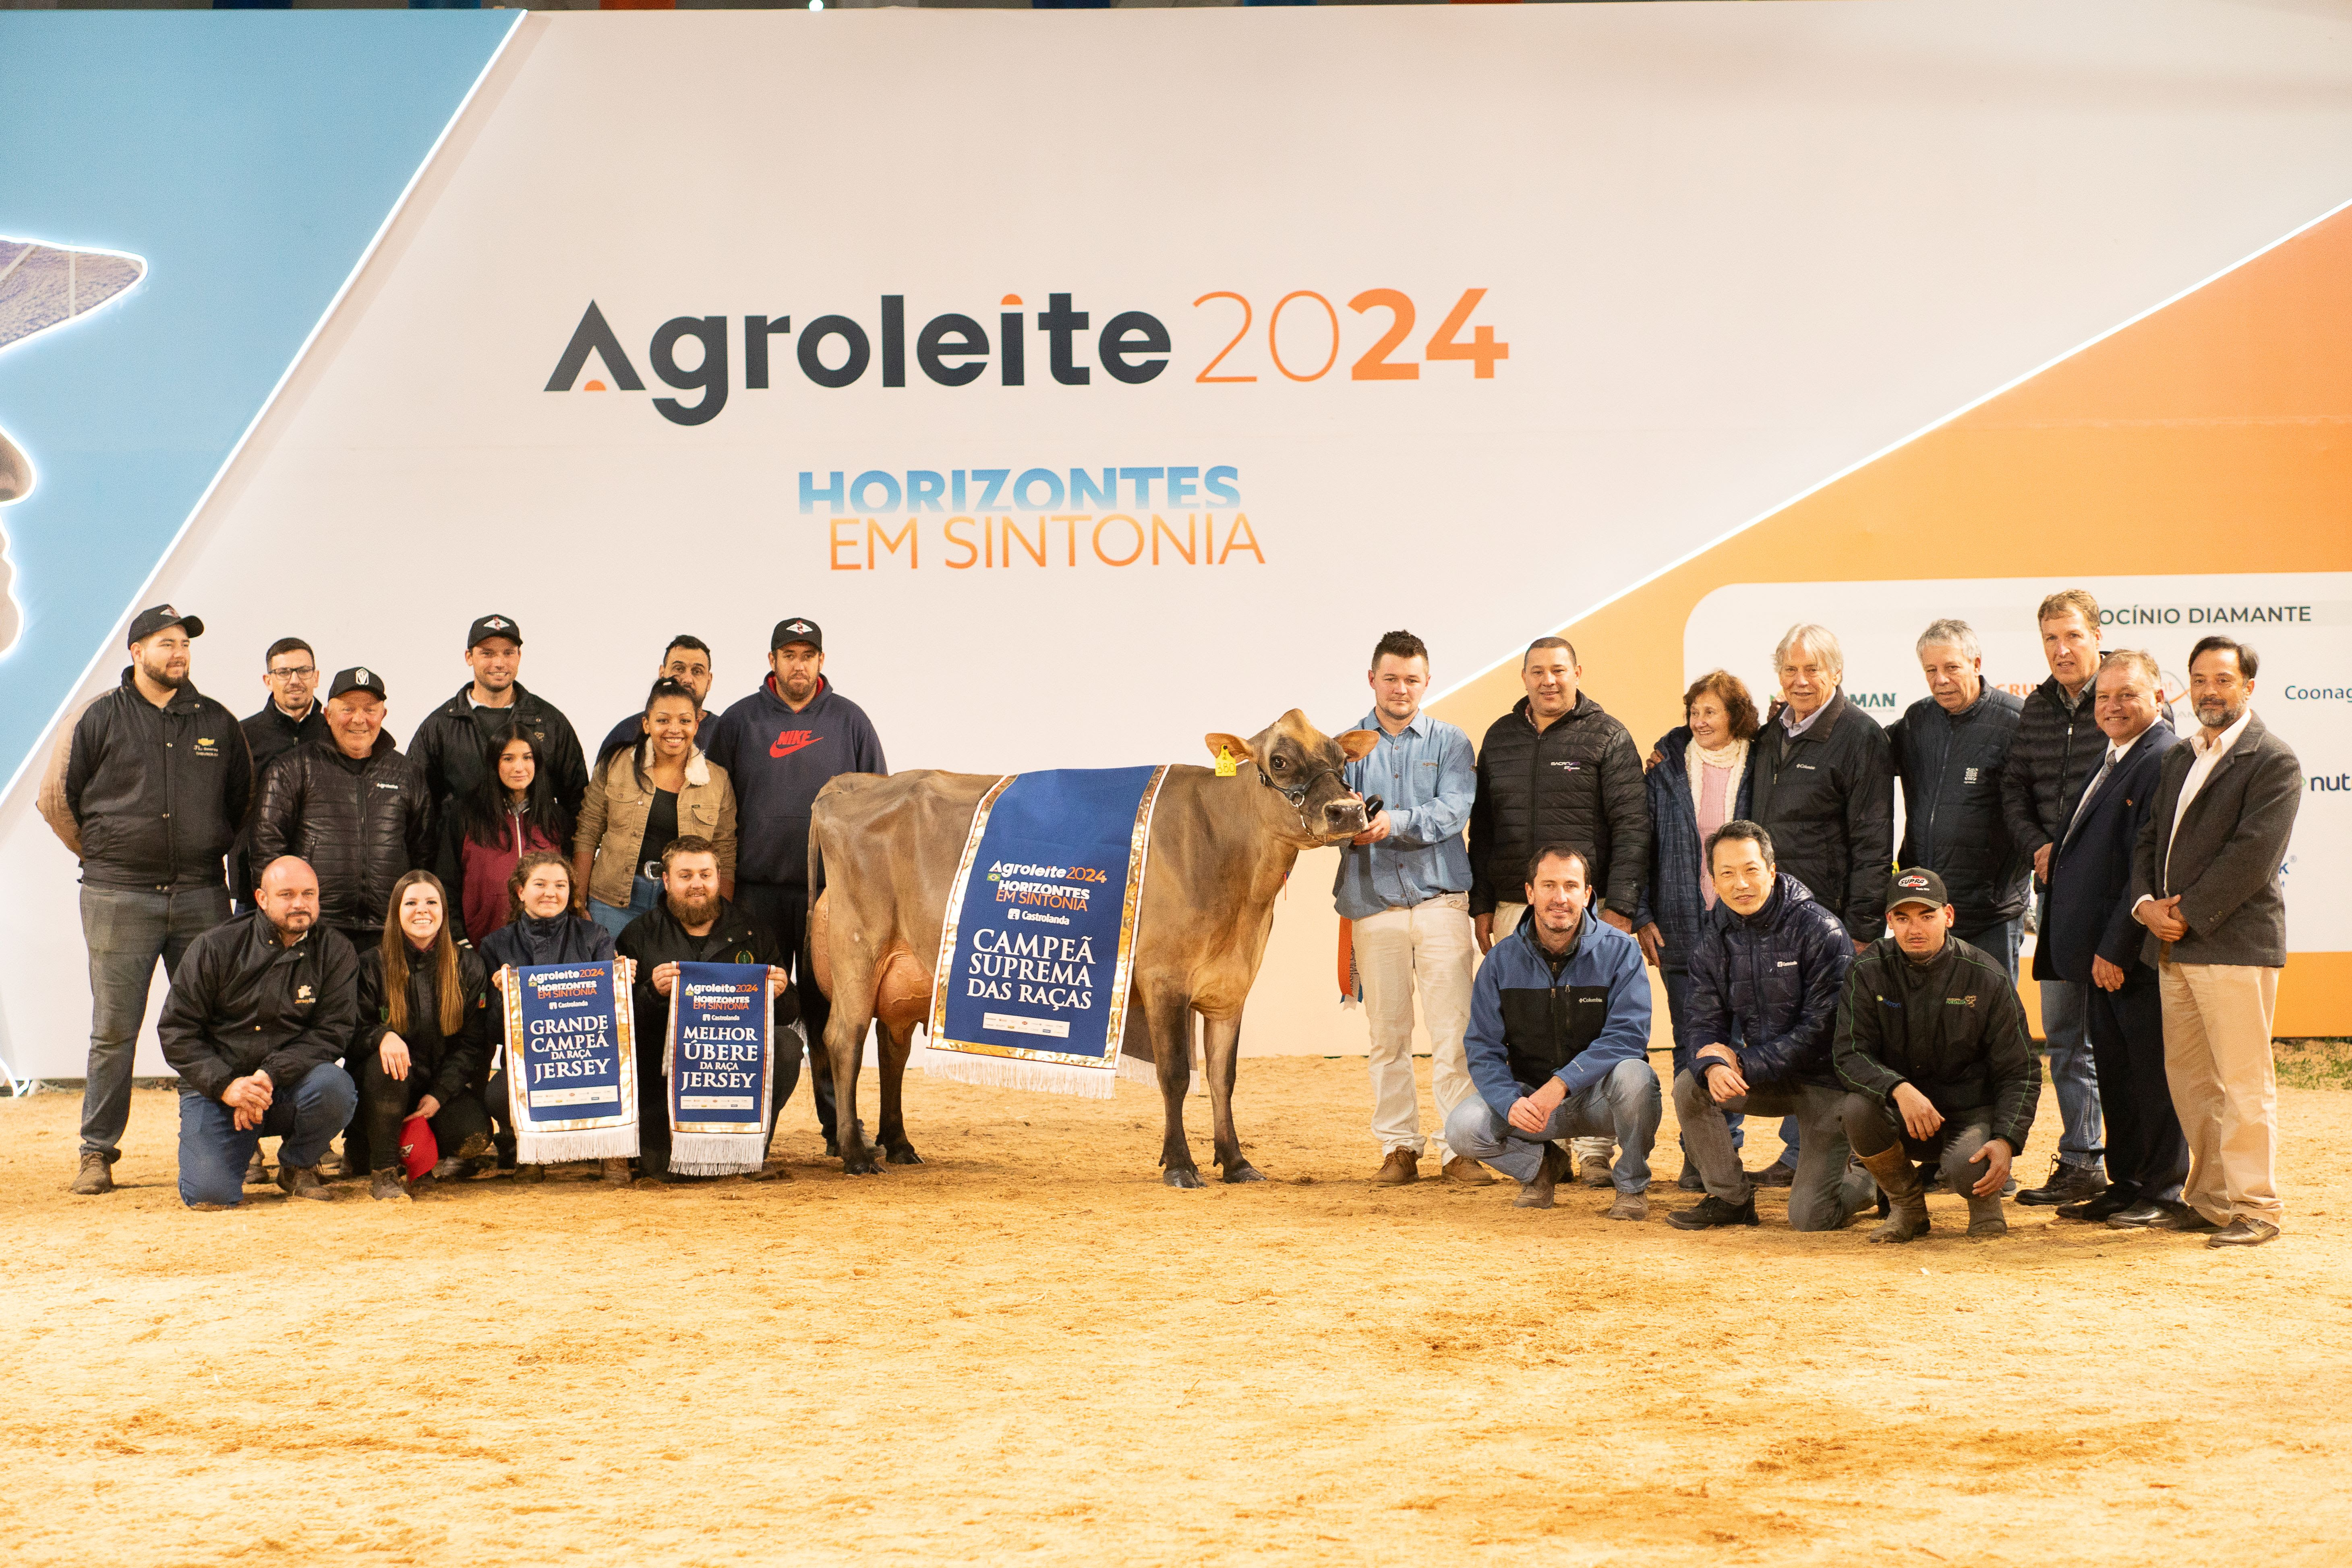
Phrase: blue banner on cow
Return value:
(571, 1063)
(1039, 941)
(720, 1057)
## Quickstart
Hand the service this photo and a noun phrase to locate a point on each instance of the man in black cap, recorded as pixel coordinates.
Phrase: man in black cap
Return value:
(450, 745)
(147, 787)
(780, 746)
(1931, 1047)
(292, 715)
(352, 807)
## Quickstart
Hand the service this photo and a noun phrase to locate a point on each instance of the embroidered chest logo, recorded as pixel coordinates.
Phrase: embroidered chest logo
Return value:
(787, 741)
(206, 746)
(1970, 777)
(742, 955)
(302, 997)
(1967, 1001)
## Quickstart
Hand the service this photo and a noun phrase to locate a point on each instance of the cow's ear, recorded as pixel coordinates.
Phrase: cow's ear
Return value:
(1229, 751)
(1357, 743)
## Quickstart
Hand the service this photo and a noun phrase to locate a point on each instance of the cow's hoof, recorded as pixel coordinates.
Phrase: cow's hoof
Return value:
(904, 1154)
(1245, 1173)
(865, 1166)
(1183, 1177)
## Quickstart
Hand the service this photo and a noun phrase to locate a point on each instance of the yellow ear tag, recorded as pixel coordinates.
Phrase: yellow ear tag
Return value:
(1225, 768)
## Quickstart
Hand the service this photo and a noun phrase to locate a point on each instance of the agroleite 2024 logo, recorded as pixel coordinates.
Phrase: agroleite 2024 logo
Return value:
(952, 349)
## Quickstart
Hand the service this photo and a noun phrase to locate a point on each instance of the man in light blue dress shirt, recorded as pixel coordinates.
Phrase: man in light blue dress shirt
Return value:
(1404, 888)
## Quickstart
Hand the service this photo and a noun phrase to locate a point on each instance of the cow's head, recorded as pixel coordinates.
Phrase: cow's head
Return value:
(1301, 768)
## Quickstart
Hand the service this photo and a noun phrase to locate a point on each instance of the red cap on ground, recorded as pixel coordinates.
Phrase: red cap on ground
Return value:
(419, 1153)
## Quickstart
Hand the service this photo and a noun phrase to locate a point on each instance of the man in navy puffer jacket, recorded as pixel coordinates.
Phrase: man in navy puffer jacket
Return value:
(1766, 971)
(1557, 1043)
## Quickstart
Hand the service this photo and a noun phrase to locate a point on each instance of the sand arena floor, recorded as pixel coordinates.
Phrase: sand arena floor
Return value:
(1030, 1351)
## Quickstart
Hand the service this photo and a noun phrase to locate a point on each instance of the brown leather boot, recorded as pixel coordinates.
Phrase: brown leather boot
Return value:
(301, 1180)
(1466, 1171)
(1538, 1194)
(96, 1174)
(1401, 1167)
(257, 1170)
(1985, 1216)
(1905, 1194)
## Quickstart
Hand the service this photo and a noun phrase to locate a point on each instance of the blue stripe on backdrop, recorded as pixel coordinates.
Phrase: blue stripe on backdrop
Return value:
(249, 158)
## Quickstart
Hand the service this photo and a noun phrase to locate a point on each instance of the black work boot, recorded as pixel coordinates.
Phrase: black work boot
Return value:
(1711, 1211)
(2068, 1185)
(1906, 1196)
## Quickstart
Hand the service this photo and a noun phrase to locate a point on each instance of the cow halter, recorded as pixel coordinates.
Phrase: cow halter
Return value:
(1297, 797)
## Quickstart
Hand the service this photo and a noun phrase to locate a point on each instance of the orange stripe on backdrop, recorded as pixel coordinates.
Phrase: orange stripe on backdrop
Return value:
(2215, 435)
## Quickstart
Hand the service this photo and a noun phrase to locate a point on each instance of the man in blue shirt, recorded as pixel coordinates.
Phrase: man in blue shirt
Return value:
(1404, 888)
(1558, 1044)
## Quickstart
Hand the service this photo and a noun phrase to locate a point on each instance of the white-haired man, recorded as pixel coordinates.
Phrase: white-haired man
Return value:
(1949, 750)
(1825, 791)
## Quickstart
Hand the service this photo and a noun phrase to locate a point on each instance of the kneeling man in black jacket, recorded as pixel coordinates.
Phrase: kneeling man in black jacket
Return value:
(694, 925)
(1766, 969)
(1931, 1046)
(259, 1010)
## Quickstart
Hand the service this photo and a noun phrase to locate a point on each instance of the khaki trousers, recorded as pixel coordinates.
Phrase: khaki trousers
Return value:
(2217, 1059)
(1427, 948)
(1506, 920)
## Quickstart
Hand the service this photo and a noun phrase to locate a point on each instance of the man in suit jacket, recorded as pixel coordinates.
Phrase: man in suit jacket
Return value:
(2089, 938)
(2205, 883)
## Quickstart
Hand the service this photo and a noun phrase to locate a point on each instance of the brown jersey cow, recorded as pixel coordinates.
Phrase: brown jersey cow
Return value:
(883, 855)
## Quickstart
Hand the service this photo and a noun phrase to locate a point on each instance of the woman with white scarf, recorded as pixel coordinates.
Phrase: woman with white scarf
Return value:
(1697, 781)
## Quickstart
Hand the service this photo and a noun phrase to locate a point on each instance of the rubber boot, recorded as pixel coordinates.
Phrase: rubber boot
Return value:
(1985, 1216)
(1907, 1197)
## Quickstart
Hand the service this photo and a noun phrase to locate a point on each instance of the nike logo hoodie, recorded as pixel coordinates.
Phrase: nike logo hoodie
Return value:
(777, 761)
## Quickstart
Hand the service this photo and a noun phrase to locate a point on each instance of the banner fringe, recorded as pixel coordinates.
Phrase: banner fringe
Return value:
(716, 1153)
(594, 1144)
(1012, 1072)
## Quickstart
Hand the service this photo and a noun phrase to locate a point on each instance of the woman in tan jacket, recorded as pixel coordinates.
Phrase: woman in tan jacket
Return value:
(641, 796)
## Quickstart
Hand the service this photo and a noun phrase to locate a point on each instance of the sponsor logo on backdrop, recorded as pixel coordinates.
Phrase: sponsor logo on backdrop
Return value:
(1303, 339)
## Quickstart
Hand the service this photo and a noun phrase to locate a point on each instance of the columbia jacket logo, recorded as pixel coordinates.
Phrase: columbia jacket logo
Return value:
(787, 741)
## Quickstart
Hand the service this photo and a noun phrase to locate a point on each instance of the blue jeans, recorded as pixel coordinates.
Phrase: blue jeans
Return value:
(126, 931)
(1678, 983)
(644, 896)
(213, 1154)
(1625, 1105)
(2064, 1015)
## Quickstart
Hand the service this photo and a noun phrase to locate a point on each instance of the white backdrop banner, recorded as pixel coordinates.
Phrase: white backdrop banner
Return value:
(1101, 380)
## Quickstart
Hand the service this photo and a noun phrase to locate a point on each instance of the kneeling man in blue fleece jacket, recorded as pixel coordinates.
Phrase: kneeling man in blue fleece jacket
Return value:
(1558, 1044)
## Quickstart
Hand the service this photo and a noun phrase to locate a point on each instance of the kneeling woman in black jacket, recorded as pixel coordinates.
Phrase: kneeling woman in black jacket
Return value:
(543, 930)
(424, 1037)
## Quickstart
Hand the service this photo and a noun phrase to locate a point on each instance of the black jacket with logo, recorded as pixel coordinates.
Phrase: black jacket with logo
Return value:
(1577, 781)
(452, 742)
(656, 937)
(244, 999)
(269, 735)
(1827, 797)
(450, 1064)
(777, 759)
(1951, 1027)
(1951, 765)
(362, 824)
(157, 795)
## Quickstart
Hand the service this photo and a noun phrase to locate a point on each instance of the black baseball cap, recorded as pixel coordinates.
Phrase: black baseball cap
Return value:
(1916, 886)
(796, 628)
(359, 678)
(493, 626)
(147, 623)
